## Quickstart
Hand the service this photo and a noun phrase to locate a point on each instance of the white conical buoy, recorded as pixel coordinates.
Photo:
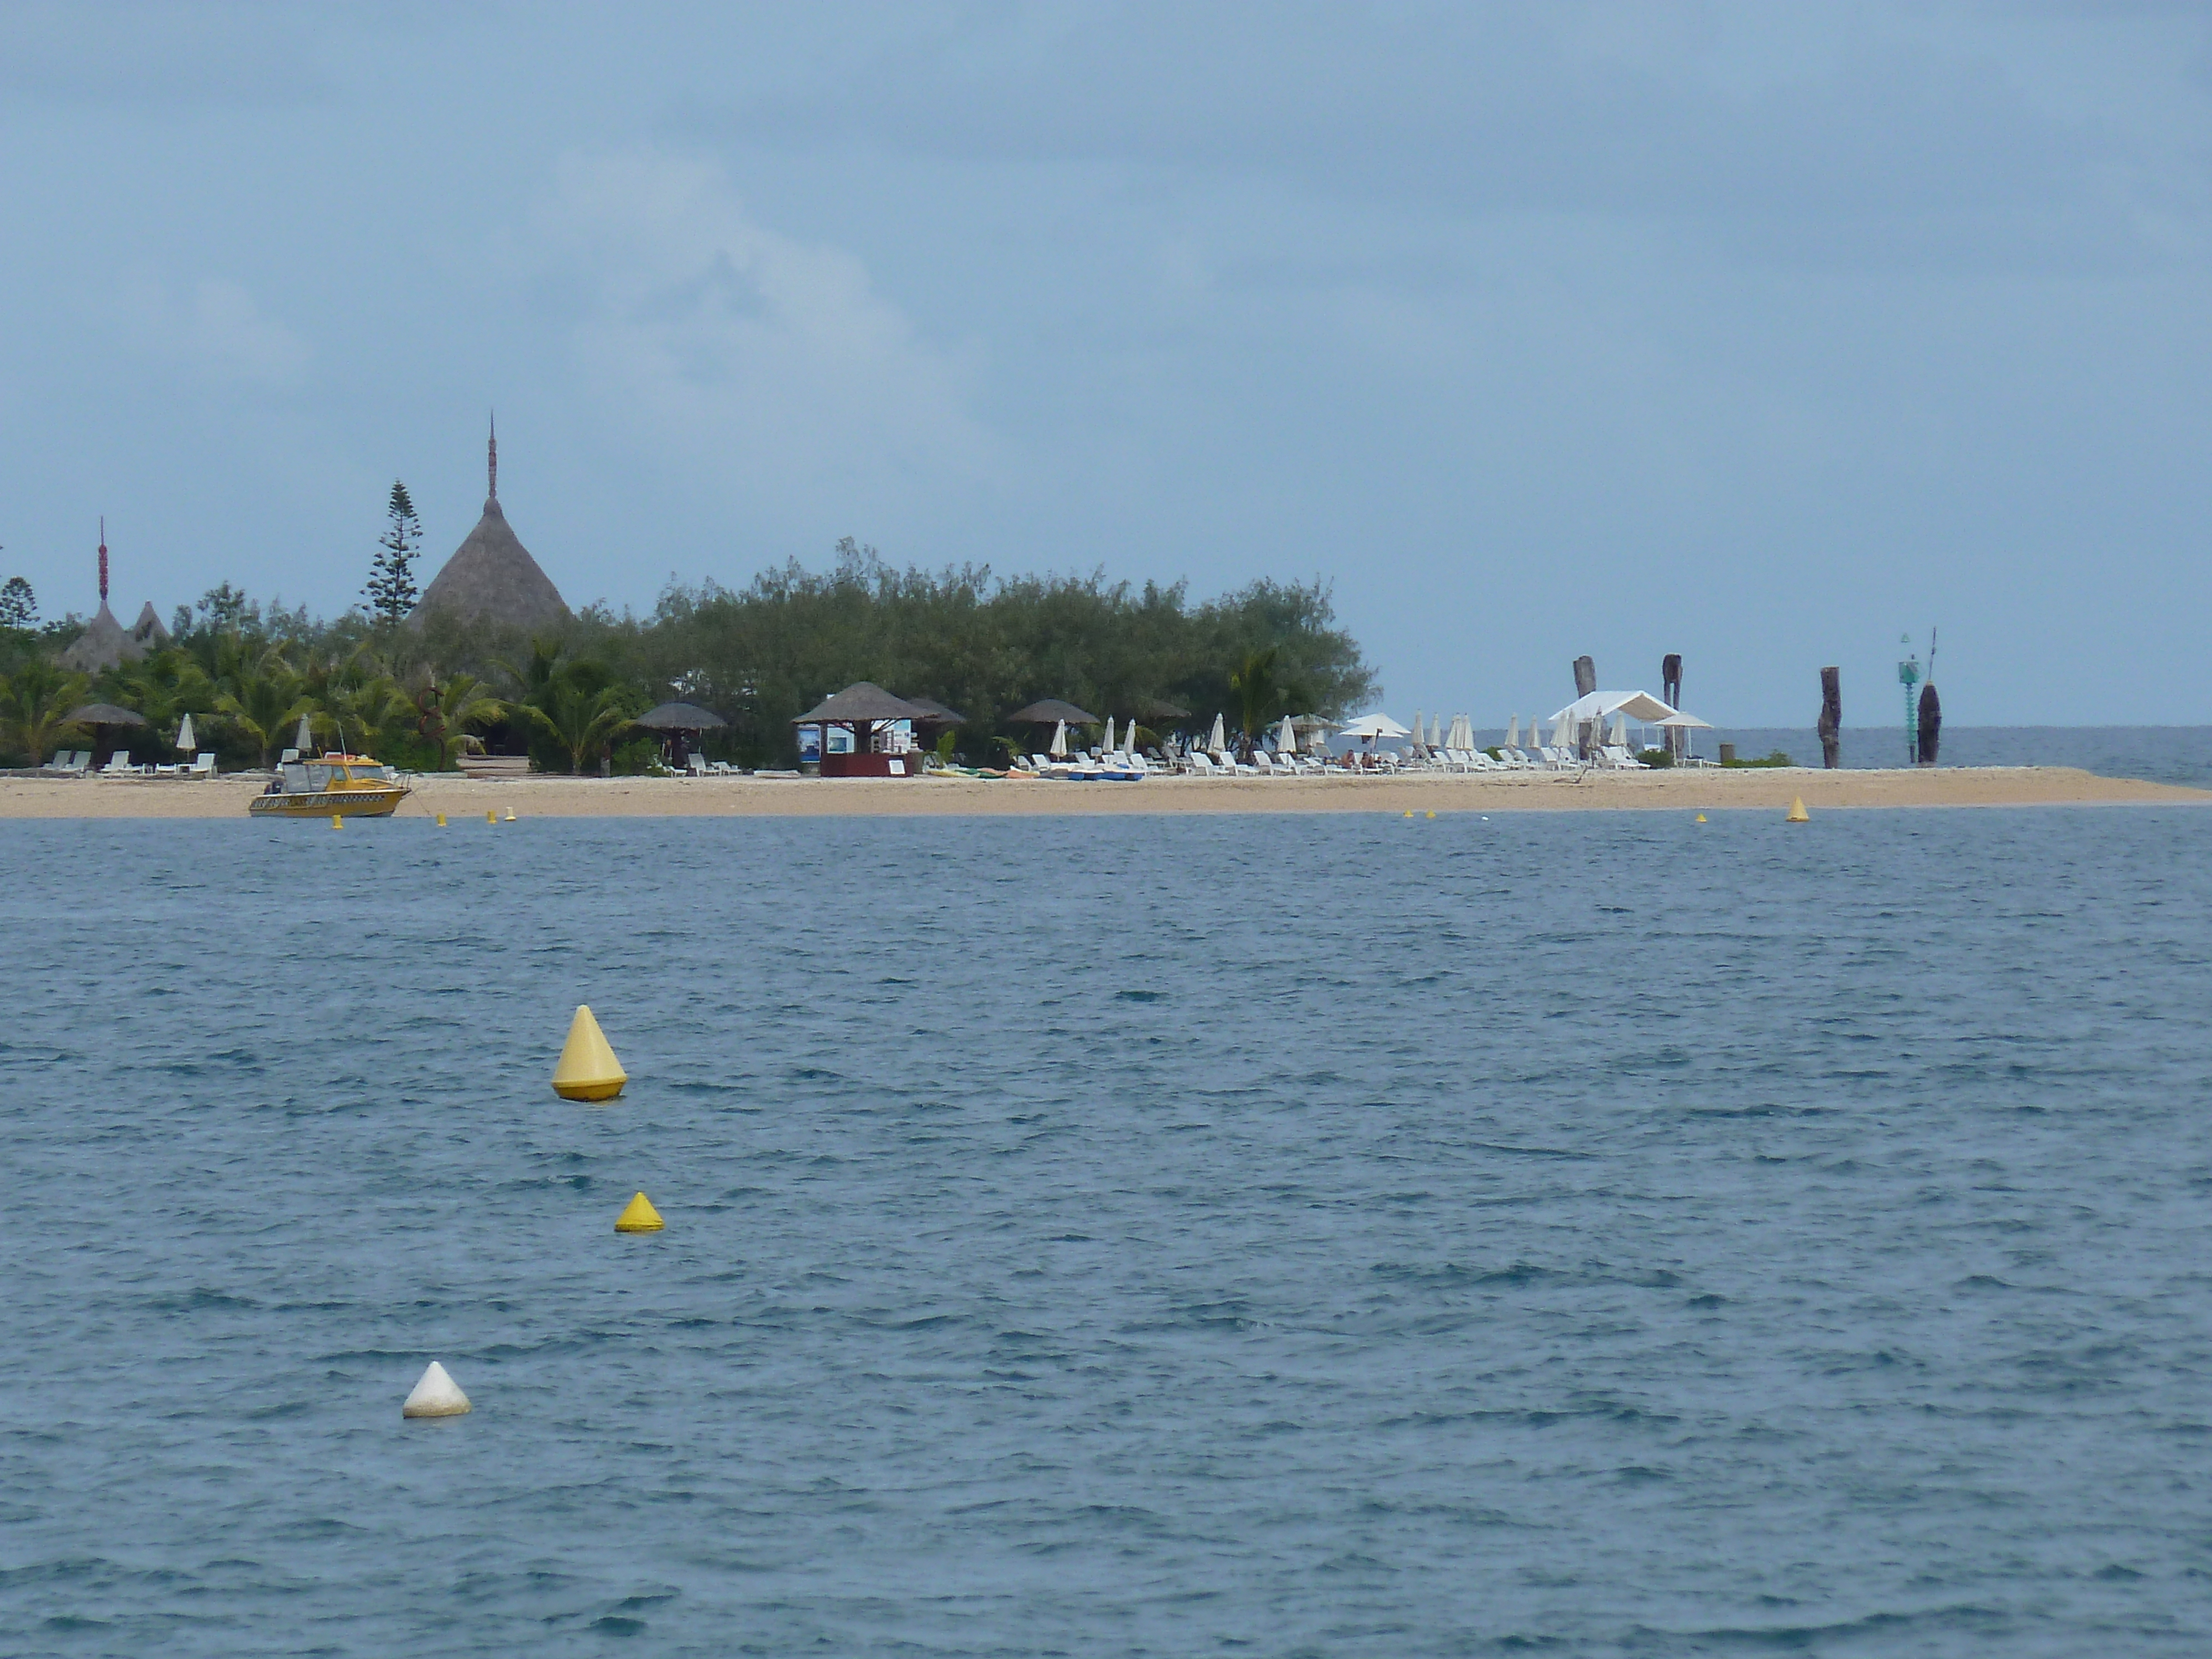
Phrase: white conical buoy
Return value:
(436, 1396)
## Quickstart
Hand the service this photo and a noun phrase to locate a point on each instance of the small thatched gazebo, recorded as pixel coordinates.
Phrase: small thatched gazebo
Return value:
(100, 717)
(684, 722)
(1050, 712)
(861, 710)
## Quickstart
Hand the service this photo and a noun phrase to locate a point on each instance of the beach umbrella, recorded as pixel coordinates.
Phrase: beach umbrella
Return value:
(1287, 740)
(186, 743)
(1513, 733)
(1220, 739)
(1108, 746)
(1420, 732)
(1058, 747)
(304, 738)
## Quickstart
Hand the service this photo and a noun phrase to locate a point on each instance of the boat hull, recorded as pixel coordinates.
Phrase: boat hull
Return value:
(357, 803)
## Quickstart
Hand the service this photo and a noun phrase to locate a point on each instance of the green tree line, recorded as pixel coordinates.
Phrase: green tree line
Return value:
(758, 656)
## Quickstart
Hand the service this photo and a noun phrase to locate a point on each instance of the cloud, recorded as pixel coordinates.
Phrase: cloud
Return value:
(771, 359)
(220, 329)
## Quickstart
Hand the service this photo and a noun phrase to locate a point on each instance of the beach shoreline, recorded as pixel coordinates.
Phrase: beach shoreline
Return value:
(1701, 789)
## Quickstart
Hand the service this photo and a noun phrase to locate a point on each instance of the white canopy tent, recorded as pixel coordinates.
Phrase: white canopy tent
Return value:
(1639, 706)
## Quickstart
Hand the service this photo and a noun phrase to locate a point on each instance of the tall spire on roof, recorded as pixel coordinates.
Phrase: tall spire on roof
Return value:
(103, 558)
(491, 460)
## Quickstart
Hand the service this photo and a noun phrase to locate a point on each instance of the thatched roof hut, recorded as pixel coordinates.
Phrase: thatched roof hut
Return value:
(864, 703)
(1051, 711)
(102, 646)
(491, 576)
(680, 717)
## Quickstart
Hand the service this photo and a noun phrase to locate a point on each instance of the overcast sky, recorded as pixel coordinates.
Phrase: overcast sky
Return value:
(1760, 333)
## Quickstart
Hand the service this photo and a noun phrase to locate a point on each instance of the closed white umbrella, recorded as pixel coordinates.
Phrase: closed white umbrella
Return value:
(1420, 732)
(304, 740)
(1058, 747)
(1287, 740)
(186, 743)
(1219, 740)
(1620, 731)
(1108, 746)
(1513, 733)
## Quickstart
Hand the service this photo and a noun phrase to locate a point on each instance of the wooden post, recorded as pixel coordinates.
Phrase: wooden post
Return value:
(1831, 718)
(1931, 723)
(1670, 693)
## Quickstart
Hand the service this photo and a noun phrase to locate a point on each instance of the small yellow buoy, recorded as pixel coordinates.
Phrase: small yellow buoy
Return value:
(337, 823)
(588, 1069)
(441, 820)
(1701, 818)
(491, 818)
(510, 815)
(638, 1216)
(1409, 815)
(1432, 815)
(1797, 812)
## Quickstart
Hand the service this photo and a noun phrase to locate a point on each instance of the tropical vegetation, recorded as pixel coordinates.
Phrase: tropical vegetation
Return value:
(420, 693)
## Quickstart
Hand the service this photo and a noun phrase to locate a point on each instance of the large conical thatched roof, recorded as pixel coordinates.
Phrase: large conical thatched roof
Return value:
(102, 646)
(491, 576)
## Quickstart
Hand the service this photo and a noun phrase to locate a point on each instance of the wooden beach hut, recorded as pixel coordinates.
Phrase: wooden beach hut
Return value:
(860, 736)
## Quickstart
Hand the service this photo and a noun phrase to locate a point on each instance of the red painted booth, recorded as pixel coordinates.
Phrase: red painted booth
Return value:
(864, 731)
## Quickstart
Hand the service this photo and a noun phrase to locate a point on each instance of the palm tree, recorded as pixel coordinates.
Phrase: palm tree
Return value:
(454, 708)
(35, 704)
(1257, 691)
(260, 699)
(578, 718)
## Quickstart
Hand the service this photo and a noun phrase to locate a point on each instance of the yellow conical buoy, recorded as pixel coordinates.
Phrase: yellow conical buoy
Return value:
(337, 823)
(588, 1069)
(1432, 815)
(1409, 815)
(1701, 818)
(441, 820)
(491, 818)
(1797, 812)
(638, 1216)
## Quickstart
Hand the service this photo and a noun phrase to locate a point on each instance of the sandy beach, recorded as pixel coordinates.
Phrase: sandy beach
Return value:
(1702, 790)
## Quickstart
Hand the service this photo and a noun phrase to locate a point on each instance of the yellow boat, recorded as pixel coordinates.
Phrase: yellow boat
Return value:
(342, 786)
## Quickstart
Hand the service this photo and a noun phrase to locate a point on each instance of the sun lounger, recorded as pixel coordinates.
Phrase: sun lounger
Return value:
(202, 766)
(118, 765)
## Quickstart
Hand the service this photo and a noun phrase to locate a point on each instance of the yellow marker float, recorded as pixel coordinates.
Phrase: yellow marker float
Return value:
(1797, 812)
(588, 1069)
(510, 815)
(441, 820)
(638, 1216)
(337, 823)
(1700, 818)
(491, 818)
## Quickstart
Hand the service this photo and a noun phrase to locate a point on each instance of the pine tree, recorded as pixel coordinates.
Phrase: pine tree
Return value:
(19, 606)
(392, 593)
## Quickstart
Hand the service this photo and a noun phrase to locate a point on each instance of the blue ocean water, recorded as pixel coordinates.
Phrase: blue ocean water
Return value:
(1591, 1234)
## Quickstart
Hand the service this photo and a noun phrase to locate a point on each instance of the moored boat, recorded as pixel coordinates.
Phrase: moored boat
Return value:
(332, 785)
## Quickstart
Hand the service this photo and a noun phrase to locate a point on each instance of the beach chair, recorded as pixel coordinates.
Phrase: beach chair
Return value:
(288, 758)
(60, 762)
(118, 765)
(203, 765)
